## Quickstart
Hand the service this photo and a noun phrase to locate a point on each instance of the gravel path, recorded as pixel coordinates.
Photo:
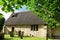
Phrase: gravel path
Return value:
(56, 39)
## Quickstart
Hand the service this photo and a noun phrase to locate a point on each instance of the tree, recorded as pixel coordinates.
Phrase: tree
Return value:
(48, 10)
(2, 20)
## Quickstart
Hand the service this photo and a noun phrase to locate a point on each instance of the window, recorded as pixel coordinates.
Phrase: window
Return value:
(34, 27)
(15, 15)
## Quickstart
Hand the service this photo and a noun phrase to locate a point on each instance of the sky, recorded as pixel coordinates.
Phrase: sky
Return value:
(7, 15)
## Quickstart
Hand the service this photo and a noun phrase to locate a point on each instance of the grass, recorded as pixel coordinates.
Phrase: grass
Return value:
(7, 37)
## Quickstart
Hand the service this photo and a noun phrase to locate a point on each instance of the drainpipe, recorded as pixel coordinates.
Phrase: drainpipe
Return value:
(47, 33)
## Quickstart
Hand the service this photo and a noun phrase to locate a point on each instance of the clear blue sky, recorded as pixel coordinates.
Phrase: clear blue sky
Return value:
(22, 9)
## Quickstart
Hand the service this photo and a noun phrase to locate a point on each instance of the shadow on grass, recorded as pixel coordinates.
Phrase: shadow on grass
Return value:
(7, 39)
(50, 38)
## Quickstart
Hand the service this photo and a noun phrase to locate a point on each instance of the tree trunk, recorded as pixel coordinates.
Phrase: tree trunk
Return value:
(1, 36)
(47, 34)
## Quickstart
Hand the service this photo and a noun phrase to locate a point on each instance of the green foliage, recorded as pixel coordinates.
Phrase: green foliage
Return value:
(1, 16)
(46, 9)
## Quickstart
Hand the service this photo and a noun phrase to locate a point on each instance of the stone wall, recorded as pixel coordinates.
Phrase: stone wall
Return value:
(42, 30)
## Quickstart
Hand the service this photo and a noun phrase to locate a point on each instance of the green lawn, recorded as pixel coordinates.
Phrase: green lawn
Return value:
(7, 37)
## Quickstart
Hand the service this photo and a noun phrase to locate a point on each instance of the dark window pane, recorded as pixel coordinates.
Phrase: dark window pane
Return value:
(31, 27)
(15, 15)
(36, 27)
(12, 15)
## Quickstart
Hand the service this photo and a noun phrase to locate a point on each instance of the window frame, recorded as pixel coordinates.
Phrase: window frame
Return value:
(34, 27)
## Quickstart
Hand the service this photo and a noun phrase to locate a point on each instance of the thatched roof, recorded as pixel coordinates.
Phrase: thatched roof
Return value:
(21, 18)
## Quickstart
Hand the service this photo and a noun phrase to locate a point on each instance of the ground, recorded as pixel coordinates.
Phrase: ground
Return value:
(7, 37)
(56, 39)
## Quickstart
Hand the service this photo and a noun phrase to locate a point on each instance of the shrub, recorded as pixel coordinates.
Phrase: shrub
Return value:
(19, 33)
(11, 34)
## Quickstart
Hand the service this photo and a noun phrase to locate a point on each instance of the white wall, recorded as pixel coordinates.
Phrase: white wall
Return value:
(42, 30)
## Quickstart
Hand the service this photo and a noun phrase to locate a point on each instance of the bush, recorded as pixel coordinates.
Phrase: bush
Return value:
(11, 34)
(2, 20)
(19, 33)
(15, 32)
